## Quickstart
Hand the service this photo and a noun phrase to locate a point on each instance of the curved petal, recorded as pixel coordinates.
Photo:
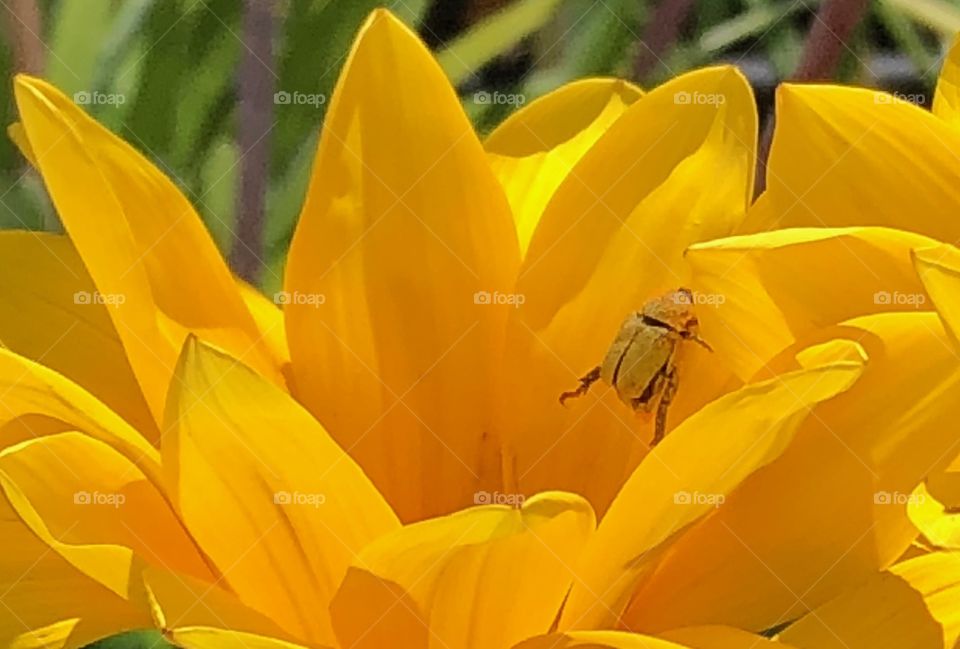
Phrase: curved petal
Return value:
(691, 473)
(779, 286)
(37, 401)
(271, 499)
(535, 148)
(946, 100)
(939, 270)
(849, 156)
(48, 314)
(611, 238)
(483, 578)
(912, 605)
(144, 245)
(833, 509)
(97, 510)
(49, 603)
(403, 225)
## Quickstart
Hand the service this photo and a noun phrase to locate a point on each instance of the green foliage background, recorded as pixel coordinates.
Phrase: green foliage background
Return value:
(175, 62)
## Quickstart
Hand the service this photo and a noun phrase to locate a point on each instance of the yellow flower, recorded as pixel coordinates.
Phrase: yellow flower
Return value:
(175, 467)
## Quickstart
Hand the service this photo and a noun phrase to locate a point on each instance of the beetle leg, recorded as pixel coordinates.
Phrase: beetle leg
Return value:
(672, 380)
(644, 403)
(586, 381)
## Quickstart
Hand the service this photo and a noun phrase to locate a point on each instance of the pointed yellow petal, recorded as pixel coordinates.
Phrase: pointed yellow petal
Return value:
(263, 489)
(37, 401)
(946, 101)
(690, 474)
(779, 286)
(46, 601)
(97, 510)
(177, 600)
(833, 508)
(849, 156)
(269, 320)
(484, 577)
(403, 223)
(144, 245)
(939, 270)
(912, 605)
(48, 313)
(211, 638)
(535, 149)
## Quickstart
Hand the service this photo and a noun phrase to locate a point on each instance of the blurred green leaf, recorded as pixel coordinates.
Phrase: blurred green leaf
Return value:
(72, 53)
(133, 640)
(904, 32)
(754, 22)
(493, 36)
(939, 15)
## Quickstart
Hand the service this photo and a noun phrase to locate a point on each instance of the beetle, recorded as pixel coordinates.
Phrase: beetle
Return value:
(641, 362)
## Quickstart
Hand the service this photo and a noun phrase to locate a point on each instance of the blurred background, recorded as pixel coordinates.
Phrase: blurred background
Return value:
(228, 96)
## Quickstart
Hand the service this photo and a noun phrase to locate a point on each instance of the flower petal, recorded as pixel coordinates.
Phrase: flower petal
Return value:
(269, 320)
(912, 605)
(946, 100)
(849, 156)
(611, 238)
(49, 603)
(48, 314)
(486, 577)
(37, 401)
(939, 270)
(691, 473)
(144, 245)
(535, 148)
(271, 499)
(833, 509)
(403, 224)
(939, 522)
(97, 510)
(778, 286)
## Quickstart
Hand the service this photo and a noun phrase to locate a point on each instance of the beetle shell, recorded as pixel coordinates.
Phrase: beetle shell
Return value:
(638, 356)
